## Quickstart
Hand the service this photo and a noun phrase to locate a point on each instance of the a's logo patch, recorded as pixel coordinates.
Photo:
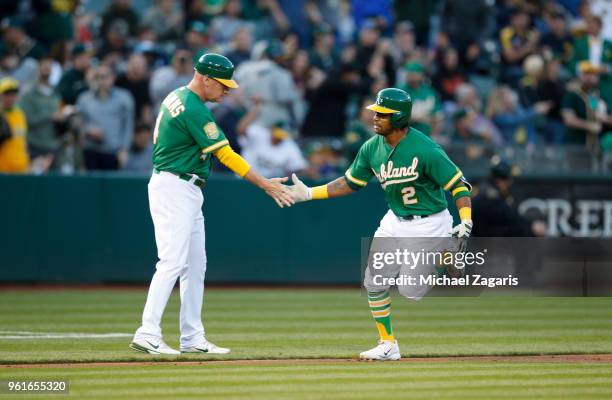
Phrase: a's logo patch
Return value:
(211, 130)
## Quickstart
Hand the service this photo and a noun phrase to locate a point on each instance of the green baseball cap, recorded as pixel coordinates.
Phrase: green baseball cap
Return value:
(414, 66)
(218, 67)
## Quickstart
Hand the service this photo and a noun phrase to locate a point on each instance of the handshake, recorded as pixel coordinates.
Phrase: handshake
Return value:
(287, 195)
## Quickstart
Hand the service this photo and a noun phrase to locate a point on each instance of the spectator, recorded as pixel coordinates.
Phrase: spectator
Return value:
(404, 47)
(603, 8)
(140, 158)
(418, 14)
(327, 98)
(426, 110)
(13, 151)
(108, 122)
(18, 53)
(120, 10)
(323, 54)
(195, 10)
(324, 161)
(196, 38)
(270, 81)
(225, 25)
(271, 151)
(464, 132)
(240, 48)
(359, 130)
(495, 204)
(518, 41)
(468, 97)
(464, 25)
(598, 50)
(41, 105)
(516, 123)
(165, 17)
(166, 79)
(17, 42)
(552, 89)
(136, 81)
(583, 110)
(302, 71)
(73, 81)
(448, 77)
(373, 55)
(557, 41)
(116, 46)
(533, 68)
(366, 11)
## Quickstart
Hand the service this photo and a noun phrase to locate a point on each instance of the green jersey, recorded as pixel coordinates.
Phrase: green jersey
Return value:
(414, 174)
(185, 135)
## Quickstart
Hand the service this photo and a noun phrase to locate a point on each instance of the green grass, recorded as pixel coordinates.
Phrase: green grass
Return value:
(306, 324)
(342, 380)
(258, 324)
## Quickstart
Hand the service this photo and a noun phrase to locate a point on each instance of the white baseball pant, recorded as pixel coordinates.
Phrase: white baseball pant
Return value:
(176, 210)
(419, 235)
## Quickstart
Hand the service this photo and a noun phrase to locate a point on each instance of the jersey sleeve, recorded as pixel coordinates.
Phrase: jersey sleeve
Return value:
(442, 170)
(360, 171)
(205, 131)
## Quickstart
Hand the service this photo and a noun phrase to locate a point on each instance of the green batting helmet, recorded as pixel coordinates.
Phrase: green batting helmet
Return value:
(396, 102)
(218, 67)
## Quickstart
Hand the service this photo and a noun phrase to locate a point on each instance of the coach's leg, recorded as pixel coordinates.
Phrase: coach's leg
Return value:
(192, 288)
(172, 209)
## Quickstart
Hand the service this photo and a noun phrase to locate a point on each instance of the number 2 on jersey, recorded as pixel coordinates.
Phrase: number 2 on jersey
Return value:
(409, 195)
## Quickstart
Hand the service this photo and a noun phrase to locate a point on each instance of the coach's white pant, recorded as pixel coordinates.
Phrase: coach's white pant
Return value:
(176, 209)
(419, 235)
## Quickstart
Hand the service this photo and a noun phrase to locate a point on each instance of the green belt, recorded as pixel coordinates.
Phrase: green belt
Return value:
(199, 182)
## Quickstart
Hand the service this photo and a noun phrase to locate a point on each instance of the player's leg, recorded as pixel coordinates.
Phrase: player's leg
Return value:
(379, 299)
(173, 209)
(428, 235)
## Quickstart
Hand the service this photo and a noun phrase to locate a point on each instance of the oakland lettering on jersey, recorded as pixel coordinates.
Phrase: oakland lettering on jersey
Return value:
(404, 174)
(173, 104)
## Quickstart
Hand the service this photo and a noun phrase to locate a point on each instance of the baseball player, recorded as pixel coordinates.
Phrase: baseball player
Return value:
(414, 173)
(185, 138)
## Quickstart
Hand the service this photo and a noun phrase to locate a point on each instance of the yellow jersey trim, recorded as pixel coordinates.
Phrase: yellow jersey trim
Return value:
(355, 180)
(459, 190)
(215, 146)
(452, 180)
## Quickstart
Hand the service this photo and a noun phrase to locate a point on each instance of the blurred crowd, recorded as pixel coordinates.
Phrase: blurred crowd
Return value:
(80, 89)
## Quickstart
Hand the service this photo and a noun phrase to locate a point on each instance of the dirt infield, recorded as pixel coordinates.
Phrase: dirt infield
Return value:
(549, 358)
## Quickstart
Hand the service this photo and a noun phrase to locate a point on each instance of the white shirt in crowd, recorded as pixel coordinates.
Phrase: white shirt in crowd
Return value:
(270, 160)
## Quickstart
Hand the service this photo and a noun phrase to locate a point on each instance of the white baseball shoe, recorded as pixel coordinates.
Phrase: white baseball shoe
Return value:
(387, 350)
(205, 347)
(151, 346)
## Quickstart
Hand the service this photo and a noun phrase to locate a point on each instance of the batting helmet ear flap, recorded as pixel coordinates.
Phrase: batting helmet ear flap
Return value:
(396, 102)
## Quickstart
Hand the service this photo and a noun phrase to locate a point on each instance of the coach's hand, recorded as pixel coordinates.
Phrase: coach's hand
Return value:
(280, 193)
(299, 191)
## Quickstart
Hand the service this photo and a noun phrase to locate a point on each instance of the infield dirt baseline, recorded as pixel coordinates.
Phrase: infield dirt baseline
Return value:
(543, 358)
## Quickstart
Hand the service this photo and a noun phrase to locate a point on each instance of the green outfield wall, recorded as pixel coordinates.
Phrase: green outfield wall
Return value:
(97, 229)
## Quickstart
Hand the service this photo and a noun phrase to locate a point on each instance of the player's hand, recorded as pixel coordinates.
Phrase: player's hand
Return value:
(299, 191)
(463, 229)
(280, 193)
(462, 232)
